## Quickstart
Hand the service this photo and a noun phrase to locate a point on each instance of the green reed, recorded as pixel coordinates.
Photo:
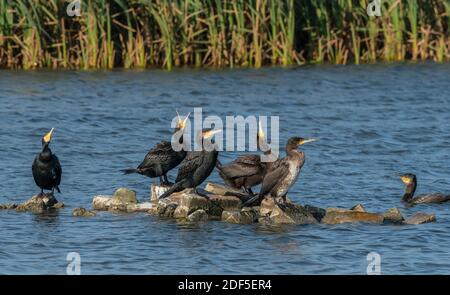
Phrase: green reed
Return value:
(219, 33)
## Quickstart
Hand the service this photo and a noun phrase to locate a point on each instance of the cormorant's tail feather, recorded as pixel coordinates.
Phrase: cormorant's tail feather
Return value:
(174, 188)
(129, 171)
(251, 201)
(57, 189)
(218, 164)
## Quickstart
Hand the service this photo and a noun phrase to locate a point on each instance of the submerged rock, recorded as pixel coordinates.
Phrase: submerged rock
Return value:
(317, 212)
(338, 215)
(8, 206)
(358, 208)
(393, 215)
(198, 215)
(82, 212)
(420, 218)
(40, 203)
(123, 200)
(244, 216)
(287, 213)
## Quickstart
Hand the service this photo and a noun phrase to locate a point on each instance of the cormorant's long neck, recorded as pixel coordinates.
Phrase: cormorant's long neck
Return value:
(410, 190)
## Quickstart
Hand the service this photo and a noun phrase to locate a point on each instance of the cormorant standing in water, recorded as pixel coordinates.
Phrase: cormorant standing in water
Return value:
(197, 165)
(246, 171)
(162, 158)
(281, 175)
(410, 180)
(46, 167)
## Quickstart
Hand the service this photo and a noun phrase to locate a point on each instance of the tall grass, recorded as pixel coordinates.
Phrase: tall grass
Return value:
(219, 33)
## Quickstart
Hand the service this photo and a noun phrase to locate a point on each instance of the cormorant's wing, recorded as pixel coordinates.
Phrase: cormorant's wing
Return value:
(157, 154)
(431, 198)
(277, 171)
(56, 169)
(191, 162)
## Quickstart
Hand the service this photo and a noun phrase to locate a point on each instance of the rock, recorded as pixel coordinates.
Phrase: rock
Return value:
(81, 212)
(287, 213)
(40, 203)
(244, 216)
(393, 215)
(188, 203)
(419, 218)
(338, 215)
(120, 201)
(156, 191)
(140, 207)
(222, 190)
(198, 215)
(358, 208)
(217, 204)
(101, 202)
(8, 206)
(317, 212)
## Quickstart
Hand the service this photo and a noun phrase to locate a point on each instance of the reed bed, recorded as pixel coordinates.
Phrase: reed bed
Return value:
(219, 33)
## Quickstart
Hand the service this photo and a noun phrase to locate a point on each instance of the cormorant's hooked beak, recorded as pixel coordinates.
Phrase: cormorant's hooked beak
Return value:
(210, 133)
(182, 123)
(48, 137)
(306, 140)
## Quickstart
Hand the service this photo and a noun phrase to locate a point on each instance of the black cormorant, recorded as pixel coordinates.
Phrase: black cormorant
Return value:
(162, 158)
(246, 171)
(46, 167)
(196, 166)
(410, 180)
(281, 174)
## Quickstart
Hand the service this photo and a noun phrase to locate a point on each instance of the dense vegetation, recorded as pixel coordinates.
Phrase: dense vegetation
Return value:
(219, 33)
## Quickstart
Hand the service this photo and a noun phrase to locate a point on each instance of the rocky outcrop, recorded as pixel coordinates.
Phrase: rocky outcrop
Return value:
(40, 203)
(393, 215)
(8, 206)
(123, 200)
(271, 212)
(82, 212)
(419, 218)
(339, 215)
(219, 202)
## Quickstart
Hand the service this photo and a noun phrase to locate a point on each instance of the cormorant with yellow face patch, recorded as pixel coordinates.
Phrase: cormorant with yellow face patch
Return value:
(162, 158)
(46, 167)
(281, 174)
(410, 181)
(246, 171)
(197, 165)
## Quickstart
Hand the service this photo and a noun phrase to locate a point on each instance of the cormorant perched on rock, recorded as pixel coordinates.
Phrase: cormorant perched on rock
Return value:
(246, 171)
(410, 180)
(281, 175)
(46, 167)
(162, 158)
(197, 165)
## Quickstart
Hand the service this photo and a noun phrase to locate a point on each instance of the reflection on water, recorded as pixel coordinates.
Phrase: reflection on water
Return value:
(373, 121)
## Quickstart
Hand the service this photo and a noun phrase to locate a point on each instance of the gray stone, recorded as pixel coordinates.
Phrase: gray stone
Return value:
(338, 215)
(156, 191)
(420, 218)
(217, 204)
(358, 208)
(8, 206)
(287, 213)
(101, 202)
(198, 215)
(222, 190)
(40, 203)
(317, 212)
(393, 215)
(82, 212)
(244, 216)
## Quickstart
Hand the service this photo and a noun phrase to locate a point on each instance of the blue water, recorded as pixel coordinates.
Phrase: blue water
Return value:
(373, 121)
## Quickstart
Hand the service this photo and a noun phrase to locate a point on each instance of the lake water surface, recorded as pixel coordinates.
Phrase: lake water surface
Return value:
(373, 121)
